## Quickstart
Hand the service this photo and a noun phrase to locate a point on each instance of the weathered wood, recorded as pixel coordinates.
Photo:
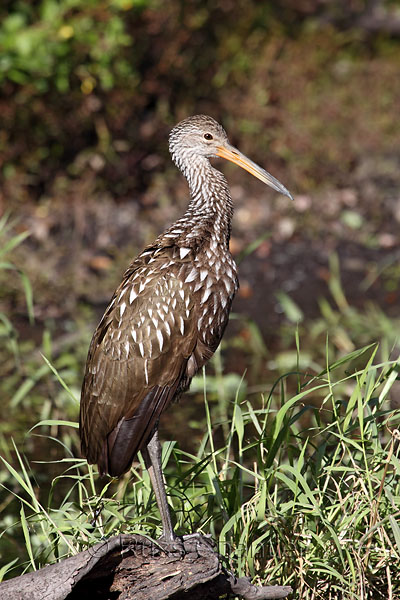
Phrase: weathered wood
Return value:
(131, 567)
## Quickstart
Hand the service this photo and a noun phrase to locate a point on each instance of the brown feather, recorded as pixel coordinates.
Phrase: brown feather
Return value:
(146, 347)
(167, 317)
(131, 434)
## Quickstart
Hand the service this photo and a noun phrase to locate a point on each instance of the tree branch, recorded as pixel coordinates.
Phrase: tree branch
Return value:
(128, 567)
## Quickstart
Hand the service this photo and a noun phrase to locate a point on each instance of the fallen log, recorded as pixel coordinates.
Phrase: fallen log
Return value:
(127, 567)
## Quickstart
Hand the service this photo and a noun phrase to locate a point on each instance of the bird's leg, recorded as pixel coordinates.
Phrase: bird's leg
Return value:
(152, 459)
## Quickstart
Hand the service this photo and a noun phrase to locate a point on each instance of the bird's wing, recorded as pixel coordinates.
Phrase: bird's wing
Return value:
(137, 359)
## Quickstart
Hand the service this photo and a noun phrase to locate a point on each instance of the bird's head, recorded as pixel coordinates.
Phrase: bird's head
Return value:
(202, 136)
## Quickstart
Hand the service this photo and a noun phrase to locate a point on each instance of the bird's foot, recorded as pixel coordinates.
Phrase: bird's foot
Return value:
(183, 544)
(171, 544)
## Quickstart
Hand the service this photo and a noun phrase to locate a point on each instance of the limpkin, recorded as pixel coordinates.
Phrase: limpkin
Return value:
(167, 317)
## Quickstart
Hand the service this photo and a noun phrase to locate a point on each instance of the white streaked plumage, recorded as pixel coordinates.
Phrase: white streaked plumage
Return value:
(205, 295)
(192, 275)
(183, 252)
(160, 339)
(181, 325)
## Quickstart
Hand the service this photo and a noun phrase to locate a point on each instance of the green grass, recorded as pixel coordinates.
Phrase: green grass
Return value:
(296, 495)
(296, 479)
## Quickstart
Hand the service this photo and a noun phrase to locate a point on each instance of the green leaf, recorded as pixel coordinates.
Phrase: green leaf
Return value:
(396, 531)
(292, 312)
(27, 537)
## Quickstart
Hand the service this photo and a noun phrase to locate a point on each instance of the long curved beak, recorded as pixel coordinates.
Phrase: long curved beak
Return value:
(234, 155)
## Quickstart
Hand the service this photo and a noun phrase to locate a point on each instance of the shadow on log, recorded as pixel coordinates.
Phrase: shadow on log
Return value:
(128, 567)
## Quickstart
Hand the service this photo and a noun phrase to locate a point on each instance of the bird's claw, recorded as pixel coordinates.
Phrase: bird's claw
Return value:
(174, 545)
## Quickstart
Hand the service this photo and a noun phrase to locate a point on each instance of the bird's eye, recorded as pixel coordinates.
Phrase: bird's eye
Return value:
(208, 136)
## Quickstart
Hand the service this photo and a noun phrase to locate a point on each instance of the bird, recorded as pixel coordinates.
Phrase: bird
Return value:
(167, 316)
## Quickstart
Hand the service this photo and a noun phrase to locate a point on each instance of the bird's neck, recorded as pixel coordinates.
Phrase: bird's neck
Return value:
(209, 214)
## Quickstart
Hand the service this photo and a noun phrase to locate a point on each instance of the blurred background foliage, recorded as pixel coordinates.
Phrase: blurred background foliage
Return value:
(89, 90)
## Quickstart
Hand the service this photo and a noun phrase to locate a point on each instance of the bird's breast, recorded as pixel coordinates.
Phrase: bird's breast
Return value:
(212, 275)
(169, 297)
